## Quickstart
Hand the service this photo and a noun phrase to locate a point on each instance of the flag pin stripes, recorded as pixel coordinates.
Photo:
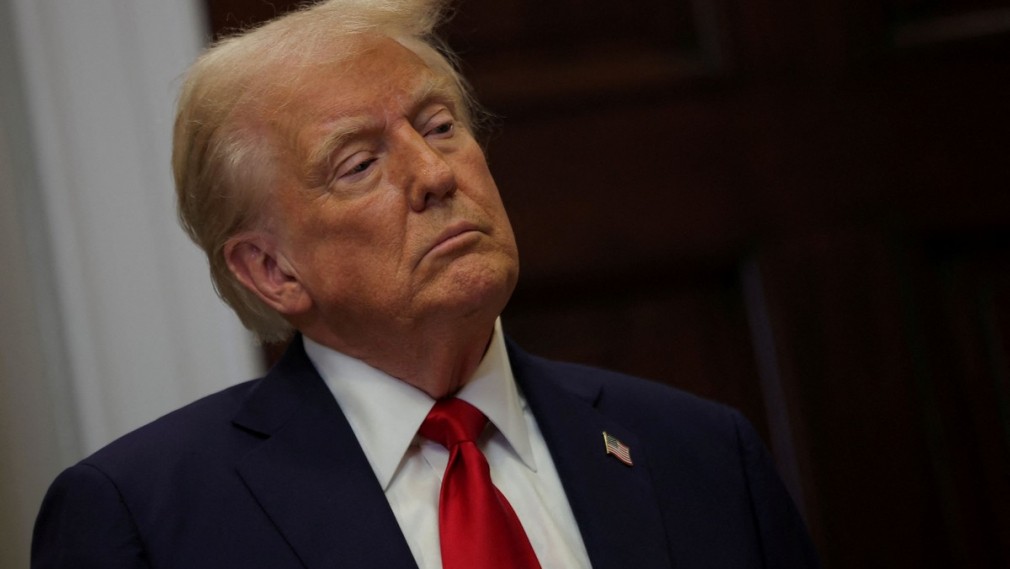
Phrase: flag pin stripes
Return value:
(619, 450)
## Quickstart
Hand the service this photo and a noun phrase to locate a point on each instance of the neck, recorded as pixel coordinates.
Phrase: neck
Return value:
(438, 360)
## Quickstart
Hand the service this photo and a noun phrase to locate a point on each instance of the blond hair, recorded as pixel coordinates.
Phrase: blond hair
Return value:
(222, 161)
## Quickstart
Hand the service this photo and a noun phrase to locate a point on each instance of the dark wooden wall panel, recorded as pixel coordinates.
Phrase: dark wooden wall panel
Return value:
(837, 297)
(622, 189)
(962, 374)
(700, 329)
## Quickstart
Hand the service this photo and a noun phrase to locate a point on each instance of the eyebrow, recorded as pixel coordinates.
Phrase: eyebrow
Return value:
(436, 88)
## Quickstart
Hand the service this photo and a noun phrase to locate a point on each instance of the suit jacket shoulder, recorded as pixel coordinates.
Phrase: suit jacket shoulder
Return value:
(702, 484)
(266, 474)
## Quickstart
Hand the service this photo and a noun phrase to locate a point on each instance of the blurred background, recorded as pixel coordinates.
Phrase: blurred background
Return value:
(800, 209)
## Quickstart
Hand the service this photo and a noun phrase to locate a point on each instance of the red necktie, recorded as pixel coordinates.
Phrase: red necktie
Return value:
(477, 527)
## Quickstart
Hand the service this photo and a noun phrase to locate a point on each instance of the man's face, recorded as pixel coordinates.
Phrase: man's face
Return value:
(386, 213)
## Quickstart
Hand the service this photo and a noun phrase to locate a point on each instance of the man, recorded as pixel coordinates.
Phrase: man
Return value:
(327, 165)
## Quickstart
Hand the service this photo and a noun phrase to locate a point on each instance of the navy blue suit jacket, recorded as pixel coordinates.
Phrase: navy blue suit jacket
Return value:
(268, 474)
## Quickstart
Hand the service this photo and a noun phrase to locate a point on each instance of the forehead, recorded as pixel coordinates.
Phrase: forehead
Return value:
(379, 72)
(320, 105)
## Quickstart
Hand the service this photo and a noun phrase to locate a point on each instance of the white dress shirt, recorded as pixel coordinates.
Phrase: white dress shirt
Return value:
(385, 414)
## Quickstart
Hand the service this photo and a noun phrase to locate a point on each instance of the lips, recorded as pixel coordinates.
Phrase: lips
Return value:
(451, 234)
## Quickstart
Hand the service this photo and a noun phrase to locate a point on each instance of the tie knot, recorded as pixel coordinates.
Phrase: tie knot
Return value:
(452, 421)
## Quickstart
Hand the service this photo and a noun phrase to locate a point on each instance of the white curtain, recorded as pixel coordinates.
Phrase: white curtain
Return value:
(107, 315)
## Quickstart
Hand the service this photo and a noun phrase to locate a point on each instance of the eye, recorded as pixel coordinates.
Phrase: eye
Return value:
(355, 166)
(442, 129)
(360, 167)
(440, 123)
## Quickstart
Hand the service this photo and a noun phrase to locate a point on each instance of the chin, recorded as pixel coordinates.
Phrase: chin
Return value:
(483, 288)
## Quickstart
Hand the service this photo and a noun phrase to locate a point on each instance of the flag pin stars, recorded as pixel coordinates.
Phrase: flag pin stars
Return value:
(619, 450)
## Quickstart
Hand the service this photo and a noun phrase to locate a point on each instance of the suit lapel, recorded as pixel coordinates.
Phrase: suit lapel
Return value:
(615, 505)
(310, 475)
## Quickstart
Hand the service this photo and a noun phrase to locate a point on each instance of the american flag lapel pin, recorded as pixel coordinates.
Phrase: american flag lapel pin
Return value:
(619, 450)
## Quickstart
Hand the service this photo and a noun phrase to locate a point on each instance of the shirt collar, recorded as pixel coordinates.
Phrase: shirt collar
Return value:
(385, 413)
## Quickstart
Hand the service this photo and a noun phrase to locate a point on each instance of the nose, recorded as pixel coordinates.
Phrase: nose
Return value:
(426, 176)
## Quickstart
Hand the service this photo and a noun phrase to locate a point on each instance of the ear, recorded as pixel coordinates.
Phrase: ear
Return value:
(256, 262)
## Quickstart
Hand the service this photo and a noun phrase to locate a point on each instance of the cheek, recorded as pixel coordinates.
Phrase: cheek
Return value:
(490, 200)
(361, 247)
(368, 222)
(342, 275)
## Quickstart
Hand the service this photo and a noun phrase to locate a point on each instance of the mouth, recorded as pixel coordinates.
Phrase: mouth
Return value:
(456, 234)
